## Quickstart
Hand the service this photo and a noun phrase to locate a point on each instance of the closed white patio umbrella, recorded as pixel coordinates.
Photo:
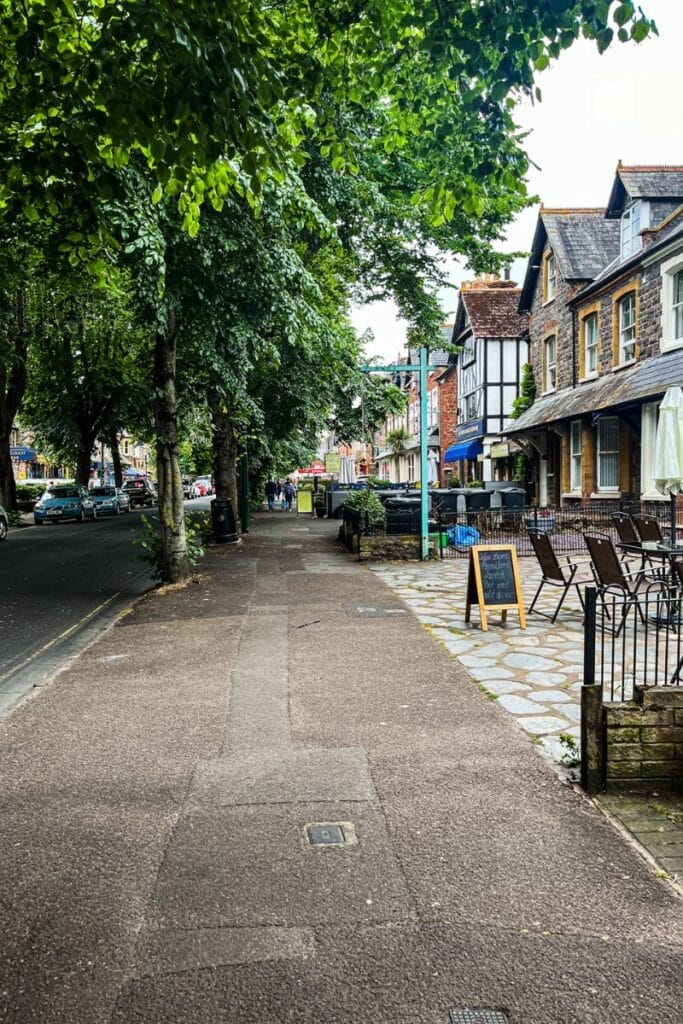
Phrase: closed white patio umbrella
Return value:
(668, 464)
(432, 466)
(347, 470)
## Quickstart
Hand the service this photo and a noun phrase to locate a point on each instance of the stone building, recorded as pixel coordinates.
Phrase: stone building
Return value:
(604, 293)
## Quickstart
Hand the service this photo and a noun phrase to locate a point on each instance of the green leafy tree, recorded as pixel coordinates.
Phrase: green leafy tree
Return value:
(84, 371)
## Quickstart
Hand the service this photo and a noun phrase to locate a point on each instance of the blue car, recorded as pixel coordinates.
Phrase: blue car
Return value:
(112, 500)
(64, 501)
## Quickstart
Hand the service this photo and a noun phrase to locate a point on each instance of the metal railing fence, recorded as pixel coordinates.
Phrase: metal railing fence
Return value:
(633, 640)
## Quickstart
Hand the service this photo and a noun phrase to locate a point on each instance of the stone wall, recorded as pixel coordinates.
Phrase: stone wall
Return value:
(644, 741)
(399, 548)
(553, 317)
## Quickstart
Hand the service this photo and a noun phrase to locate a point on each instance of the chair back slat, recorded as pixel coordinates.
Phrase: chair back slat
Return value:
(543, 549)
(648, 528)
(626, 531)
(605, 561)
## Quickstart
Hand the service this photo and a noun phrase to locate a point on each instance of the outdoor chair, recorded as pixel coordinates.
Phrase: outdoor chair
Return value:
(555, 574)
(648, 528)
(612, 581)
(627, 534)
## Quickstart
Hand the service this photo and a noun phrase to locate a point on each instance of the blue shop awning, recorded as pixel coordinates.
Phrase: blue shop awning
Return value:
(464, 450)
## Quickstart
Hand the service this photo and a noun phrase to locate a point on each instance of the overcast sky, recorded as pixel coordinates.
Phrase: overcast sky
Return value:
(596, 109)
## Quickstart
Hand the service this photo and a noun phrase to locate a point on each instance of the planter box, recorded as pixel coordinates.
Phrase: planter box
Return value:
(543, 524)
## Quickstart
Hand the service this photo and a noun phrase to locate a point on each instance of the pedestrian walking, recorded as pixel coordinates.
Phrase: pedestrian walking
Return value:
(270, 495)
(289, 492)
(278, 489)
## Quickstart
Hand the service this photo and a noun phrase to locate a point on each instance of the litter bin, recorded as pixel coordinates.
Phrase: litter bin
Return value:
(403, 515)
(223, 521)
(477, 501)
(514, 503)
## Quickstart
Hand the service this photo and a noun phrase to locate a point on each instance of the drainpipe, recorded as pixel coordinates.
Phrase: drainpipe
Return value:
(574, 348)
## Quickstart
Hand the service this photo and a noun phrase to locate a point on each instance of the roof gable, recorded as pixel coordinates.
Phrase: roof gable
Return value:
(492, 308)
(582, 241)
(643, 182)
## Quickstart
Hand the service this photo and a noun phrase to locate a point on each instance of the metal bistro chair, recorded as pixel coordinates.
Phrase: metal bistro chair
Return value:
(611, 579)
(648, 528)
(627, 534)
(554, 573)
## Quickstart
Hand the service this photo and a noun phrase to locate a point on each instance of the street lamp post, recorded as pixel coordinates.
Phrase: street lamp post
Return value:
(420, 368)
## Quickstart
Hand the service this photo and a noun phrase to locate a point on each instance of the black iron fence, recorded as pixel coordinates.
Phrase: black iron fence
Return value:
(633, 640)
(453, 533)
(459, 530)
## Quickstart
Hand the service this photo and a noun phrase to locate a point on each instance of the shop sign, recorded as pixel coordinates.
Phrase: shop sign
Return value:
(22, 453)
(471, 429)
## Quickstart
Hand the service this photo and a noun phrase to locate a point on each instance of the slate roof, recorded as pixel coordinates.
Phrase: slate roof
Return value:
(664, 182)
(669, 230)
(645, 380)
(493, 311)
(583, 243)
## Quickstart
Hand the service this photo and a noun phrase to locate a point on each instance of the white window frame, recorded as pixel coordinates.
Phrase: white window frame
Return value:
(607, 454)
(627, 329)
(632, 222)
(433, 408)
(576, 456)
(588, 370)
(549, 368)
(411, 467)
(550, 272)
(669, 271)
(677, 306)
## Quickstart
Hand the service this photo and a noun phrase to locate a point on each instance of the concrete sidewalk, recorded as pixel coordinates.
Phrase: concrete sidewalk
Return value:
(155, 804)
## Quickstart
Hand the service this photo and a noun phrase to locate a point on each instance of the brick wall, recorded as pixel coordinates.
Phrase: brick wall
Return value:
(448, 416)
(644, 741)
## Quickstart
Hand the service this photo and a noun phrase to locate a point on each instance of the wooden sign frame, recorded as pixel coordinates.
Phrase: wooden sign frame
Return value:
(475, 586)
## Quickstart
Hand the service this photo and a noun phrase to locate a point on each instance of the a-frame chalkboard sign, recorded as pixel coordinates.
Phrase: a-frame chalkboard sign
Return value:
(493, 582)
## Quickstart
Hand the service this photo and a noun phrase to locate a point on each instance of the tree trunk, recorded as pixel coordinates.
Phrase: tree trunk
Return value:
(12, 387)
(225, 450)
(116, 458)
(83, 461)
(8, 487)
(174, 562)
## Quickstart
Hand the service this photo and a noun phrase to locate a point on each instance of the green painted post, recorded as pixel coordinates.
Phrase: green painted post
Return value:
(424, 462)
(422, 368)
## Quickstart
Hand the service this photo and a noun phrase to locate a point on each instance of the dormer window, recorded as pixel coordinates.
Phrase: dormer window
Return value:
(549, 277)
(631, 225)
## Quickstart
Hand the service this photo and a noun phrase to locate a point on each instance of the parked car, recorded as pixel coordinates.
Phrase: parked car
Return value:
(113, 500)
(70, 501)
(187, 487)
(140, 492)
(202, 486)
(4, 523)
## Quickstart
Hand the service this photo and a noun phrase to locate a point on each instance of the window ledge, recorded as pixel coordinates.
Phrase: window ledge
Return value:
(588, 377)
(546, 302)
(606, 494)
(623, 366)
(551, 391)
(655, 496)
(572, 494)
(670, 346)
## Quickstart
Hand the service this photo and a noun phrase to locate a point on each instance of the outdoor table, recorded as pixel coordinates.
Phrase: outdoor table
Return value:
(655, 549)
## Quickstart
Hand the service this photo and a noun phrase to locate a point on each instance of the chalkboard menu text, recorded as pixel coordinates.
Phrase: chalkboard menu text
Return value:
(493, 582)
